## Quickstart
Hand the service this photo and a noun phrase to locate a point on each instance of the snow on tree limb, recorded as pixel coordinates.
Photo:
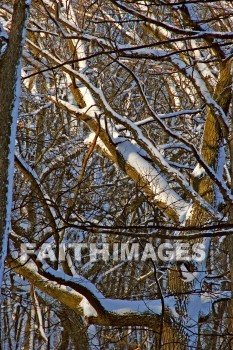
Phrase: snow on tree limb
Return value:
(83, 297)
(10, 74)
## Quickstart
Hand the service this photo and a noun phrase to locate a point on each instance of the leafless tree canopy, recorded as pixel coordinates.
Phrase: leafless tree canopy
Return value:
(124, 139)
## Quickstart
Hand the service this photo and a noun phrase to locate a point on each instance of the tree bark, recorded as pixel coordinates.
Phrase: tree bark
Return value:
(10, 64)
(210, 149)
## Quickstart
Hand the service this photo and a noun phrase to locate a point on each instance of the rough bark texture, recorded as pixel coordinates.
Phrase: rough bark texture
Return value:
(9, 95)
(212, 141)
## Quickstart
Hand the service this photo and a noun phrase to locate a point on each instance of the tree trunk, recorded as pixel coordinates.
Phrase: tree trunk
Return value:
(210, 151)
(10, 64)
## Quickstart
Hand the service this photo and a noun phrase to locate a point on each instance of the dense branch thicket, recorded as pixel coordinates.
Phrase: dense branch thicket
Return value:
(124, 139)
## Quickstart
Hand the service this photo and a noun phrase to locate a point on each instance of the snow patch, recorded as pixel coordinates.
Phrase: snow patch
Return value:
(198, 171)
(88, 310)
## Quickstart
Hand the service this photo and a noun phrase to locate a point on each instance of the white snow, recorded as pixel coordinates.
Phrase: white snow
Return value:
(88, 310)
(198, 171)
(14, 114)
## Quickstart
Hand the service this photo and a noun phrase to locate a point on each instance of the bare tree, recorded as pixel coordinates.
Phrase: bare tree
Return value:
(10, 73)
(125, 136)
